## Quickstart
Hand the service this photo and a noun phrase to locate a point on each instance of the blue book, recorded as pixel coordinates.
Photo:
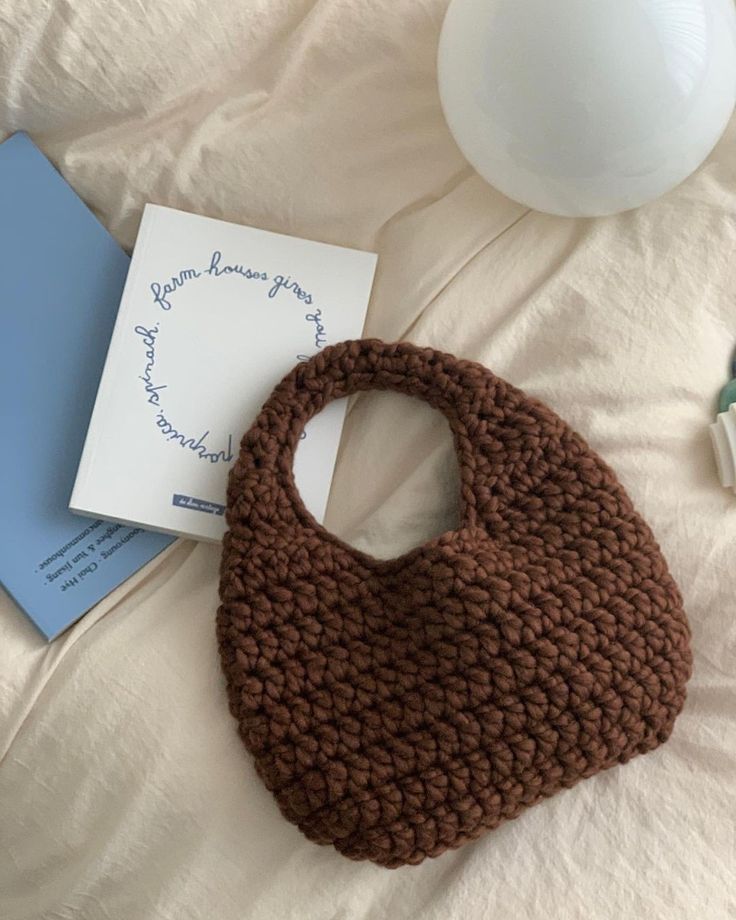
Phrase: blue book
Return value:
(61, 279)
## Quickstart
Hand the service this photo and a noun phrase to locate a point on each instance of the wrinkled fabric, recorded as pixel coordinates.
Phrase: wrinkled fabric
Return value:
(124, 789)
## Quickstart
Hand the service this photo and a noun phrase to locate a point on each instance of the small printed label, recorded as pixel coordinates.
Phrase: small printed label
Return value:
(197, 504)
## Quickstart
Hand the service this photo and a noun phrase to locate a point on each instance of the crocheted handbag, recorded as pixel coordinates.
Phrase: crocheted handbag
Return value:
(399, 708)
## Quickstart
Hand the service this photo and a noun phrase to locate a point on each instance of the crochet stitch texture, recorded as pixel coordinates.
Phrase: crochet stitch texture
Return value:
(400, 708)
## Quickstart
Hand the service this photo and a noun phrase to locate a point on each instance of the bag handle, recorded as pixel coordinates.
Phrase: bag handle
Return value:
(467, 394)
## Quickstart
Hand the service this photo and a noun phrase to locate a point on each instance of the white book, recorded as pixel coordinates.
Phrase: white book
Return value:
(212, 317)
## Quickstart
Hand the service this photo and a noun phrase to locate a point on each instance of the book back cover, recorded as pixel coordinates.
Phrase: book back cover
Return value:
(61, 279)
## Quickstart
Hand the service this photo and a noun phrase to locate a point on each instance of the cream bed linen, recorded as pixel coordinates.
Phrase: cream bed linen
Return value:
(124, 790)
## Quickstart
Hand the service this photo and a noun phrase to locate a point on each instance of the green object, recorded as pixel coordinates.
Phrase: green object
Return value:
(727, 397)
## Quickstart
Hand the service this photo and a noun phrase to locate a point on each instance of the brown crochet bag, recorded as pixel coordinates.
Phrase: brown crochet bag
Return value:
(400, 708)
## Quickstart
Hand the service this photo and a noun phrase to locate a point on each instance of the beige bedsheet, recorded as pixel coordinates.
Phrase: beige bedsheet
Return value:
(125, 793)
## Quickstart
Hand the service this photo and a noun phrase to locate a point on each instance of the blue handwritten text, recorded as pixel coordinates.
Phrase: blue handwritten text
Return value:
(148, 337)
(286, 284)
(320, 338)
(216, 269)
(198, 447)
(161, 292)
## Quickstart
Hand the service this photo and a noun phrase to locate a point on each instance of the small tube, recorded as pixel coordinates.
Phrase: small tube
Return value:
(723, 436)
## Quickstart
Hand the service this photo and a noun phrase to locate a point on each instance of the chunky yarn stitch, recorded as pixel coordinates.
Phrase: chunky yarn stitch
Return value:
(400, 708)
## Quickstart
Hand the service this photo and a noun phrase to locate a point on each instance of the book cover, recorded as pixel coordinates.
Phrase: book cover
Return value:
(61, 278)
(213, 315)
